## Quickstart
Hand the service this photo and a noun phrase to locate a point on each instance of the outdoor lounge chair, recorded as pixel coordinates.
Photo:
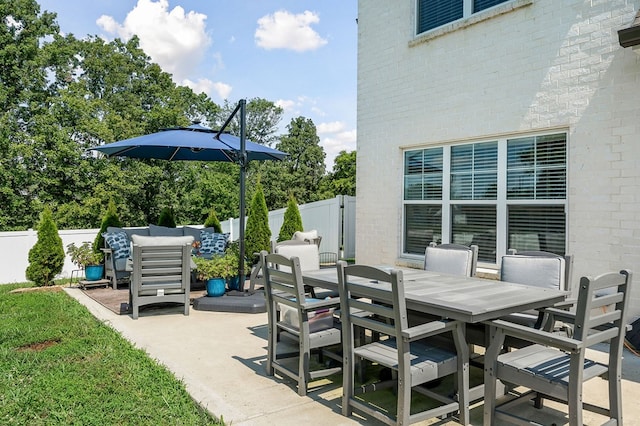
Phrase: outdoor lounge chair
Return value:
(374, 300)
(161, 271)
(307, 322)
(554, 366)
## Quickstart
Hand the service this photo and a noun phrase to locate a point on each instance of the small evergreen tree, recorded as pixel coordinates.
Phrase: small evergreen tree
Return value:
(46, 257)
(292, 220)
(110, 219)
(167, 218)
(257, 232)
(212, 221)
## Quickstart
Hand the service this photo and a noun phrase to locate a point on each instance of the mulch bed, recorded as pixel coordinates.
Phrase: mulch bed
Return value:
(117, 301)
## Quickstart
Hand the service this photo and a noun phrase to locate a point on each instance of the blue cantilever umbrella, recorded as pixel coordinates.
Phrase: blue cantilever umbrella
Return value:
(199, 143)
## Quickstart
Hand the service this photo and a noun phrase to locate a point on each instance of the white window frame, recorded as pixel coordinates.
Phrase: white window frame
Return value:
(500, 202)
(468, 18)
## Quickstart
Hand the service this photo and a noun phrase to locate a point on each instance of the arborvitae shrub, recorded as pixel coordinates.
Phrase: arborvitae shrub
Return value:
(213, 222)
(46, 257)
(110, 219)
(166, 218)
(257, 231)
(292, 220)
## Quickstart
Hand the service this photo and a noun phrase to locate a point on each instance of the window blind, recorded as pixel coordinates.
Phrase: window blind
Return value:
(479, 5)
(474, 173)
(537, 228)
(423, 174)
(434, 13)
(475, 224)
(422, 224)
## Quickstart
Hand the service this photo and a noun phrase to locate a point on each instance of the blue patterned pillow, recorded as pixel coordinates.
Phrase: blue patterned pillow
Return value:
(213, 243)
(119, 243)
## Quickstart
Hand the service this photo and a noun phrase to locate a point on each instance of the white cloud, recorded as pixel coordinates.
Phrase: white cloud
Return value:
(336, 142)
(174, 39)
(286, 104)
(204, 85)
(284, 30)
(333, 127)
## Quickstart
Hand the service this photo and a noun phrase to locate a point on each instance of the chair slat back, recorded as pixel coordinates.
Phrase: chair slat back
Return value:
(282, 279)
(593, 323)
(373, 298)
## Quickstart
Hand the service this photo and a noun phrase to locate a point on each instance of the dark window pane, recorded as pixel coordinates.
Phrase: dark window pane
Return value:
(537, 228)
(474, 171)
(423, 174)
(520, 184)
(479, 5)
(434, 13)
(423, 224)
(472, 224)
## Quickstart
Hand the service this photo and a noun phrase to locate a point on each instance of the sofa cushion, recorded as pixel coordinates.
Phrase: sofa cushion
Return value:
(119, 244)
(129, 231)
(164, 231)
(142, 240)
(213, 243)
(195, 232)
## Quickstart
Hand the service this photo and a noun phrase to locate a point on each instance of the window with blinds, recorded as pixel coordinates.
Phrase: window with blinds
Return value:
(502, 194)
(422, 224)
(435, 13)
(423, 174)
(474, 171)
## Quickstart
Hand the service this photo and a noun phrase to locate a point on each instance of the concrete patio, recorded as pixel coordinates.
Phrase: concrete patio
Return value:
(220, 357)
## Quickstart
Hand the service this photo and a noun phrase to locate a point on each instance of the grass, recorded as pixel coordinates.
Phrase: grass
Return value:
(60, 365)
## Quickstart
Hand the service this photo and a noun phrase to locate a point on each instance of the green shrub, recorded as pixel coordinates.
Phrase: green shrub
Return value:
(46, 257)
(110, 219)
(167, 218)
(257, 231)
(213, 222)
(292, 221)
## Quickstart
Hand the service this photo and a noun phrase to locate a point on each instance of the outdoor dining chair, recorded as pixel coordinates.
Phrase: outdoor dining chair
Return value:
(309, 256)
(554, 366)
(309, 323)
(453, 259)
(536, 268)
(374, 300)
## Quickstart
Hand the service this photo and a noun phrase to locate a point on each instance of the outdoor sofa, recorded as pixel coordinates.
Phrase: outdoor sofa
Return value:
(118, 248)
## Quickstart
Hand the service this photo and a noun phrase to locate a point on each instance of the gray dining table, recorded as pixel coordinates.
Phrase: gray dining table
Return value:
(467, 299)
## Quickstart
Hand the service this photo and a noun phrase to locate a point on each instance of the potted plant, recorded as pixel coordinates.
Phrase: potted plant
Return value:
(86, 258)
(215, 271)
(233, 253)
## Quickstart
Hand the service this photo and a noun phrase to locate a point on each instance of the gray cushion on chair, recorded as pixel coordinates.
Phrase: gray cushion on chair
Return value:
(545, 272)
(161, 241)
(456, 262)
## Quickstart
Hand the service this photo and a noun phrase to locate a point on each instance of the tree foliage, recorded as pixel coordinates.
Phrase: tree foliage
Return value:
(46, 257)
(60, 96)
(257, 231)
(342, 181)
(110, 219)
(292, 220)
(212, 221)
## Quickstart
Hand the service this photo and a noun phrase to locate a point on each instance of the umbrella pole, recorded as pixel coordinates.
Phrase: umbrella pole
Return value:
(243, 170)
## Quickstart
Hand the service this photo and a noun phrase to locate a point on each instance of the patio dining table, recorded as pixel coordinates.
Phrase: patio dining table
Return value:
(467, 299)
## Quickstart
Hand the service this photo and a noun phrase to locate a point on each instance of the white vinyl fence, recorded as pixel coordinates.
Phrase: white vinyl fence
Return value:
(334, 219)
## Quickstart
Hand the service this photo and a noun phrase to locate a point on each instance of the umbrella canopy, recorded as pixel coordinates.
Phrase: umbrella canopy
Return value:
(193, 143)
(199, 143)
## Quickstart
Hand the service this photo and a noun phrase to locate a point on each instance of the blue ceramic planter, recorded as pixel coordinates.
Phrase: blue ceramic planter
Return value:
(233, 283)
(216, 287)
(93, 272)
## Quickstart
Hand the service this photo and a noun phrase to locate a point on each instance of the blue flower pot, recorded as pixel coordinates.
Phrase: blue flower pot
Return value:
(93, 272)
(216, 287)
(233, 283)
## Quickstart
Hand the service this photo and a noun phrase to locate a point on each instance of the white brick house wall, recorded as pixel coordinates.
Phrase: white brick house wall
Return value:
(546, 65)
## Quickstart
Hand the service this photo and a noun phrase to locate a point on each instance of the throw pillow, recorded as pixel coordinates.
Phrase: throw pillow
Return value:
(119, 243)
(213, 243)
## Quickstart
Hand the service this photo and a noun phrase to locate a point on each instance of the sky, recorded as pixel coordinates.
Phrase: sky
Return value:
(299, 54)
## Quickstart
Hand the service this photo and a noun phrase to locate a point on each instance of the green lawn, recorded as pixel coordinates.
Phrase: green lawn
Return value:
(59, 365)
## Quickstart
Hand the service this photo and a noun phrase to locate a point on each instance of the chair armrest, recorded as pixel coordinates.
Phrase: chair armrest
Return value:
(537, 336)
(106, 250)
(428, 329)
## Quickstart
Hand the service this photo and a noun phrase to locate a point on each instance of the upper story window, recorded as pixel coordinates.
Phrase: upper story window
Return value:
(435, 13)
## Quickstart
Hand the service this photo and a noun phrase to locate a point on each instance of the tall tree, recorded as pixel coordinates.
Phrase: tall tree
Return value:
(257, 232)
(301, 171)
(342, 181)
(292, 220)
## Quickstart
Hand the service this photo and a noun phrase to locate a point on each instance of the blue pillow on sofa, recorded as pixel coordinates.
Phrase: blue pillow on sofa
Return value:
(119, 243)
(213, 243)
